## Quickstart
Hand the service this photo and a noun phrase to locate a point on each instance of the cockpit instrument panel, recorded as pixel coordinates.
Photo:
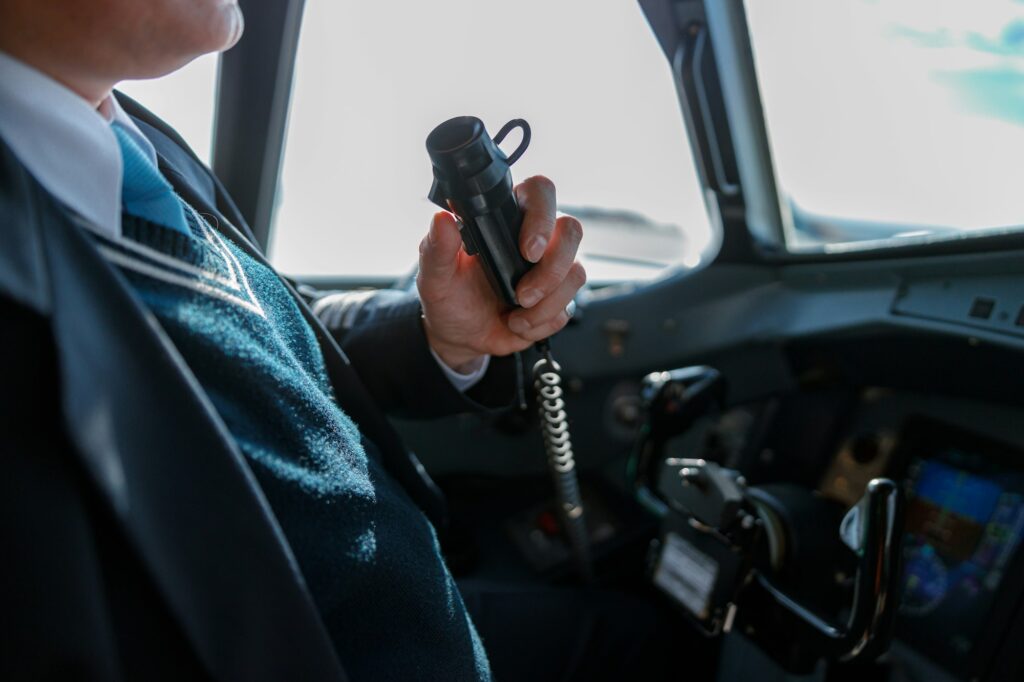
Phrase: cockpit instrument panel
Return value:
(964, 525)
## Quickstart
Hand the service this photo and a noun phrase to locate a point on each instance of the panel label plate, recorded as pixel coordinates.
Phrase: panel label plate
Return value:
(686, 574)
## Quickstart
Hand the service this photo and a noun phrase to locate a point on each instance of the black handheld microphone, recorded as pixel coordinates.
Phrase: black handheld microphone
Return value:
(473, 180)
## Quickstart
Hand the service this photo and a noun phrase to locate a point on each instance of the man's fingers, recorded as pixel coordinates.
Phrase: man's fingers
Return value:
(536, 197)
(547, 328)
(548, 316)
(439, 253)
(548, 274)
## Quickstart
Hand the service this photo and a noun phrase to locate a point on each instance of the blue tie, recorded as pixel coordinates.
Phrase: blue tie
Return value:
(145, 193)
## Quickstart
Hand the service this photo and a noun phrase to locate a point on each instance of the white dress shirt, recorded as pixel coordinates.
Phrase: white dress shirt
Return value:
(68, 146)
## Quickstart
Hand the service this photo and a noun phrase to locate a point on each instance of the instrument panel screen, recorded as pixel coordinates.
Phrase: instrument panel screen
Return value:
(965, 520)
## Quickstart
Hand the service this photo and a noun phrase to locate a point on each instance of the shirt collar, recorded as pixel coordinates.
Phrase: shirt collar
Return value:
(110, 109)
(66, 144)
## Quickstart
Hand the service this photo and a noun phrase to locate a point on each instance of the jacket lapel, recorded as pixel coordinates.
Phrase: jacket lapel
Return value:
(160, 455)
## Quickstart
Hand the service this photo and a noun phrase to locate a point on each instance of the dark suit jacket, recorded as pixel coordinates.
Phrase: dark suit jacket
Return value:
(135, 541)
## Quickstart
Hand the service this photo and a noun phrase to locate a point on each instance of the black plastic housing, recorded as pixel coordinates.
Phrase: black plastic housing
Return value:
(472, 178)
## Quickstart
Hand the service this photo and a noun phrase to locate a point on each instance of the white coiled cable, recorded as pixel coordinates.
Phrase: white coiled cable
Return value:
(554, 423)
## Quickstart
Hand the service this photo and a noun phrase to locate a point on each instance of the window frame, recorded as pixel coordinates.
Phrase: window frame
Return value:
(753, 220)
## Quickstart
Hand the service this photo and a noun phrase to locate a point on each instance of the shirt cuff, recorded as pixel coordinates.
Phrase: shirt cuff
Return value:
(463, 382)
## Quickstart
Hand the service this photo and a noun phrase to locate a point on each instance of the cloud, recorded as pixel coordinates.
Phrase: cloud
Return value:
(1009, 41)
(997, 92)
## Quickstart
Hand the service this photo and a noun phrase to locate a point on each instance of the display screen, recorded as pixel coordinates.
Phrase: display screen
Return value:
(965, 520)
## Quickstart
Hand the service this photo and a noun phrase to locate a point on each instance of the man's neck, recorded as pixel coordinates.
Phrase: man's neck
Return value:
(92, 90)
(95, 93)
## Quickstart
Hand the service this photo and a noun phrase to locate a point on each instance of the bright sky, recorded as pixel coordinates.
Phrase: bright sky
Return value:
(372, 81)
(909, 111)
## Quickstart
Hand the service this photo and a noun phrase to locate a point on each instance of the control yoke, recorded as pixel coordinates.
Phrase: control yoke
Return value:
(717, 500)
(724, 539)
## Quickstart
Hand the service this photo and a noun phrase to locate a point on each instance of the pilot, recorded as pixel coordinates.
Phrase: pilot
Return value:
(199, 480)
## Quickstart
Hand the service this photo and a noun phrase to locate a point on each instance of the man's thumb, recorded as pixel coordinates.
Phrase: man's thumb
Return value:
(439, 250)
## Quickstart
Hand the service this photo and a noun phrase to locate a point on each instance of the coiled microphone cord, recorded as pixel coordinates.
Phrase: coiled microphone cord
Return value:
(554, 422)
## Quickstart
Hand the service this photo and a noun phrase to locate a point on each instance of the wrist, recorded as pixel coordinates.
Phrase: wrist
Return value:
(459, 361)
(458, 358)
(465, 368)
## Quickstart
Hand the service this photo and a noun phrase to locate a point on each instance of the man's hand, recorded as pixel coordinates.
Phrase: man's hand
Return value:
(462, 316)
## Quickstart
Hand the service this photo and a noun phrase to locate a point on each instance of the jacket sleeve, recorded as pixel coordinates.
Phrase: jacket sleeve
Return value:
(382, 334)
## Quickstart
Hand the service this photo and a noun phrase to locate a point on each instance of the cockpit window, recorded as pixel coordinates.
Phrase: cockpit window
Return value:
(892, 120)
(373, 78)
